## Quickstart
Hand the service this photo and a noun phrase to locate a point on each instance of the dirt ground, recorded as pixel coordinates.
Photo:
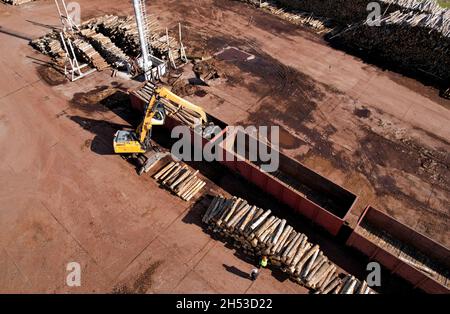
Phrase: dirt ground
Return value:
(66, 197)
(379, 134)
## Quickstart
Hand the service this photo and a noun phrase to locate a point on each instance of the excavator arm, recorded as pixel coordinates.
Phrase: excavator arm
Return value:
(146, 124)
(167, 94)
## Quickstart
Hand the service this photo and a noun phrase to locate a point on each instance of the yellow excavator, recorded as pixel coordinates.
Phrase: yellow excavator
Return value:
(138, 143)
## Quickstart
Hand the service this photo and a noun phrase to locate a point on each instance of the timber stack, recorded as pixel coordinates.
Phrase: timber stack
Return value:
(107, 49)
(123, 32)
(425, 44)
(89, 54)
(50, 45)
(258, 232)
(347, 12)
(110, 37)
(17, 2)
(293, 16)
(180, 180)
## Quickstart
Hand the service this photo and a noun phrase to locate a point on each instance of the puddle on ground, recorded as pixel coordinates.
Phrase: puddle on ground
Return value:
(362, 113)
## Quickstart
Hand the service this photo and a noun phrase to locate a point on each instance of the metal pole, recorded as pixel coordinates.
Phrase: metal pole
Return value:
(146, 63)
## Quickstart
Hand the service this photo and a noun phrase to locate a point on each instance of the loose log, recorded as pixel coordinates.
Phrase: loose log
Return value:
(322, 275)
(348, 285)
(310, 263)
(210, 209)
(320, 261)
(279, 232)
(328, 278)
(332, 285)
(164, 170)
(247, 219)
(260, 219)
(202, 185)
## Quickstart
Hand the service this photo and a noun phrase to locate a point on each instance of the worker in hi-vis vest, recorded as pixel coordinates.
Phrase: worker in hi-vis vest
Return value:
(261, 263)
(264, 261)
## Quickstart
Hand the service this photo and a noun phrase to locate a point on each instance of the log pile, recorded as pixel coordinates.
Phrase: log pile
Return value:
(293, 16)
(180, 180)
(182, 114)
(123, 32)
(346, 12)
(17, 2)
(115, 38)
(350, 285)
(424, 46)
(406, 253)
(50, 45)
(108, 50)
(89, 54)
(258, 232)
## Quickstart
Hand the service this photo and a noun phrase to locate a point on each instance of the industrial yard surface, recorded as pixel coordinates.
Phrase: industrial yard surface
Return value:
(66, 197)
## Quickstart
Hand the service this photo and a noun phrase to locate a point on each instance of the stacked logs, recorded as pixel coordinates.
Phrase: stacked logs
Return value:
(89, 54)
(350, 285)
(108, 50)
(425, 44)
(184, 115)
(50, 45)
(258, 232)
(115, 38)
(17, 2)
(180, 180)
(345, 12)
(292, 16)
(406, 253)
(123, 32)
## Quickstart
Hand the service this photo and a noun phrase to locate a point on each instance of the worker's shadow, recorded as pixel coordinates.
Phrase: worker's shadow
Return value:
(104, 131)
(237, 271)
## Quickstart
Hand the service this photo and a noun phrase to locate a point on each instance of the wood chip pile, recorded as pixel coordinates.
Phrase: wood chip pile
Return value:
(257, 232)
(406, 253)
(180, 180)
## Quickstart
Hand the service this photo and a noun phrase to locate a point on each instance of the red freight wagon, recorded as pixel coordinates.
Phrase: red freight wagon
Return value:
(410, 238)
